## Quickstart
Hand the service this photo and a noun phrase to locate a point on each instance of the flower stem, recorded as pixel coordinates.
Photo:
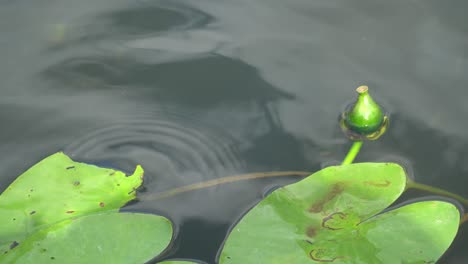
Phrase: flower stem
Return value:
(258, 175)
(219, 181)
(352, 153)
(427, 188)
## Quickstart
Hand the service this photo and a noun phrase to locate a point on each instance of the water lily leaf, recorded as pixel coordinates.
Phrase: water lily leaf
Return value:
(99, 238)
(329, 217)
(58, 188)
(416, 233)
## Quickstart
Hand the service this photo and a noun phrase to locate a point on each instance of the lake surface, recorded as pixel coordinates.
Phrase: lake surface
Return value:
(199, 90)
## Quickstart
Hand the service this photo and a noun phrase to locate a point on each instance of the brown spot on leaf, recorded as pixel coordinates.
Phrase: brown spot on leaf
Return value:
(311, 231)
(31, 190)
(132, 191)
(32, 212)
(102, 204)
(70, 212)
(333, 216)
(13, 245)
(379, 184)
(336, 189)
(70, 167)
(76, 183)
(112, 173)
(319, 255)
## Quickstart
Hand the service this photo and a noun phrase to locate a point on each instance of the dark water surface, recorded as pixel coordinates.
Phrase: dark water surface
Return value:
(198, 90)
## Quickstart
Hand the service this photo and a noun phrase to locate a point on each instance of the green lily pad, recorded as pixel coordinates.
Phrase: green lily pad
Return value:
(416, 233)
(58, 188)
(330, 217)
(99, 238)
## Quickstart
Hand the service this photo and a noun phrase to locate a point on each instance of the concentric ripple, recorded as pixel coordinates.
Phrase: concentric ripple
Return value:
(174, 149)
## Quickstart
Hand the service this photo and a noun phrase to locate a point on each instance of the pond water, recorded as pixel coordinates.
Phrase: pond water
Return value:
(199, 90)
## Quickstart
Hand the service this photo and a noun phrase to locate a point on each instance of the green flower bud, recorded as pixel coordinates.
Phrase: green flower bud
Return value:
(363, 119)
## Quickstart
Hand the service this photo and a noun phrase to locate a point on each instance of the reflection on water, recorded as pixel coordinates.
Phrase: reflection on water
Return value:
(197, 90)
(234, 81)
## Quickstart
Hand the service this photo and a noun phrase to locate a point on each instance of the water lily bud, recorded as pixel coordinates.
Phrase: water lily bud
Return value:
(364, 118)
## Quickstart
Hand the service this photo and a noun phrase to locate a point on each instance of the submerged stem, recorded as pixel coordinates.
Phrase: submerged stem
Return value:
(423, 187)
(210, 183)
(258, 175)
(352, 153)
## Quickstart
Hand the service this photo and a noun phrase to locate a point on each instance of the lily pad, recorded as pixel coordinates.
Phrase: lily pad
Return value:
(57, 188)
(330, 216)
(99, 238)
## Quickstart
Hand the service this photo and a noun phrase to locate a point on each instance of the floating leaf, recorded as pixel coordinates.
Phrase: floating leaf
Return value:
(58, 188)
(99, 238)
(328, 217)
(416, 233)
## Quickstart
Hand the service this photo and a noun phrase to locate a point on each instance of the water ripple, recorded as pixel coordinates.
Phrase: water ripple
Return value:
(173, 148)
